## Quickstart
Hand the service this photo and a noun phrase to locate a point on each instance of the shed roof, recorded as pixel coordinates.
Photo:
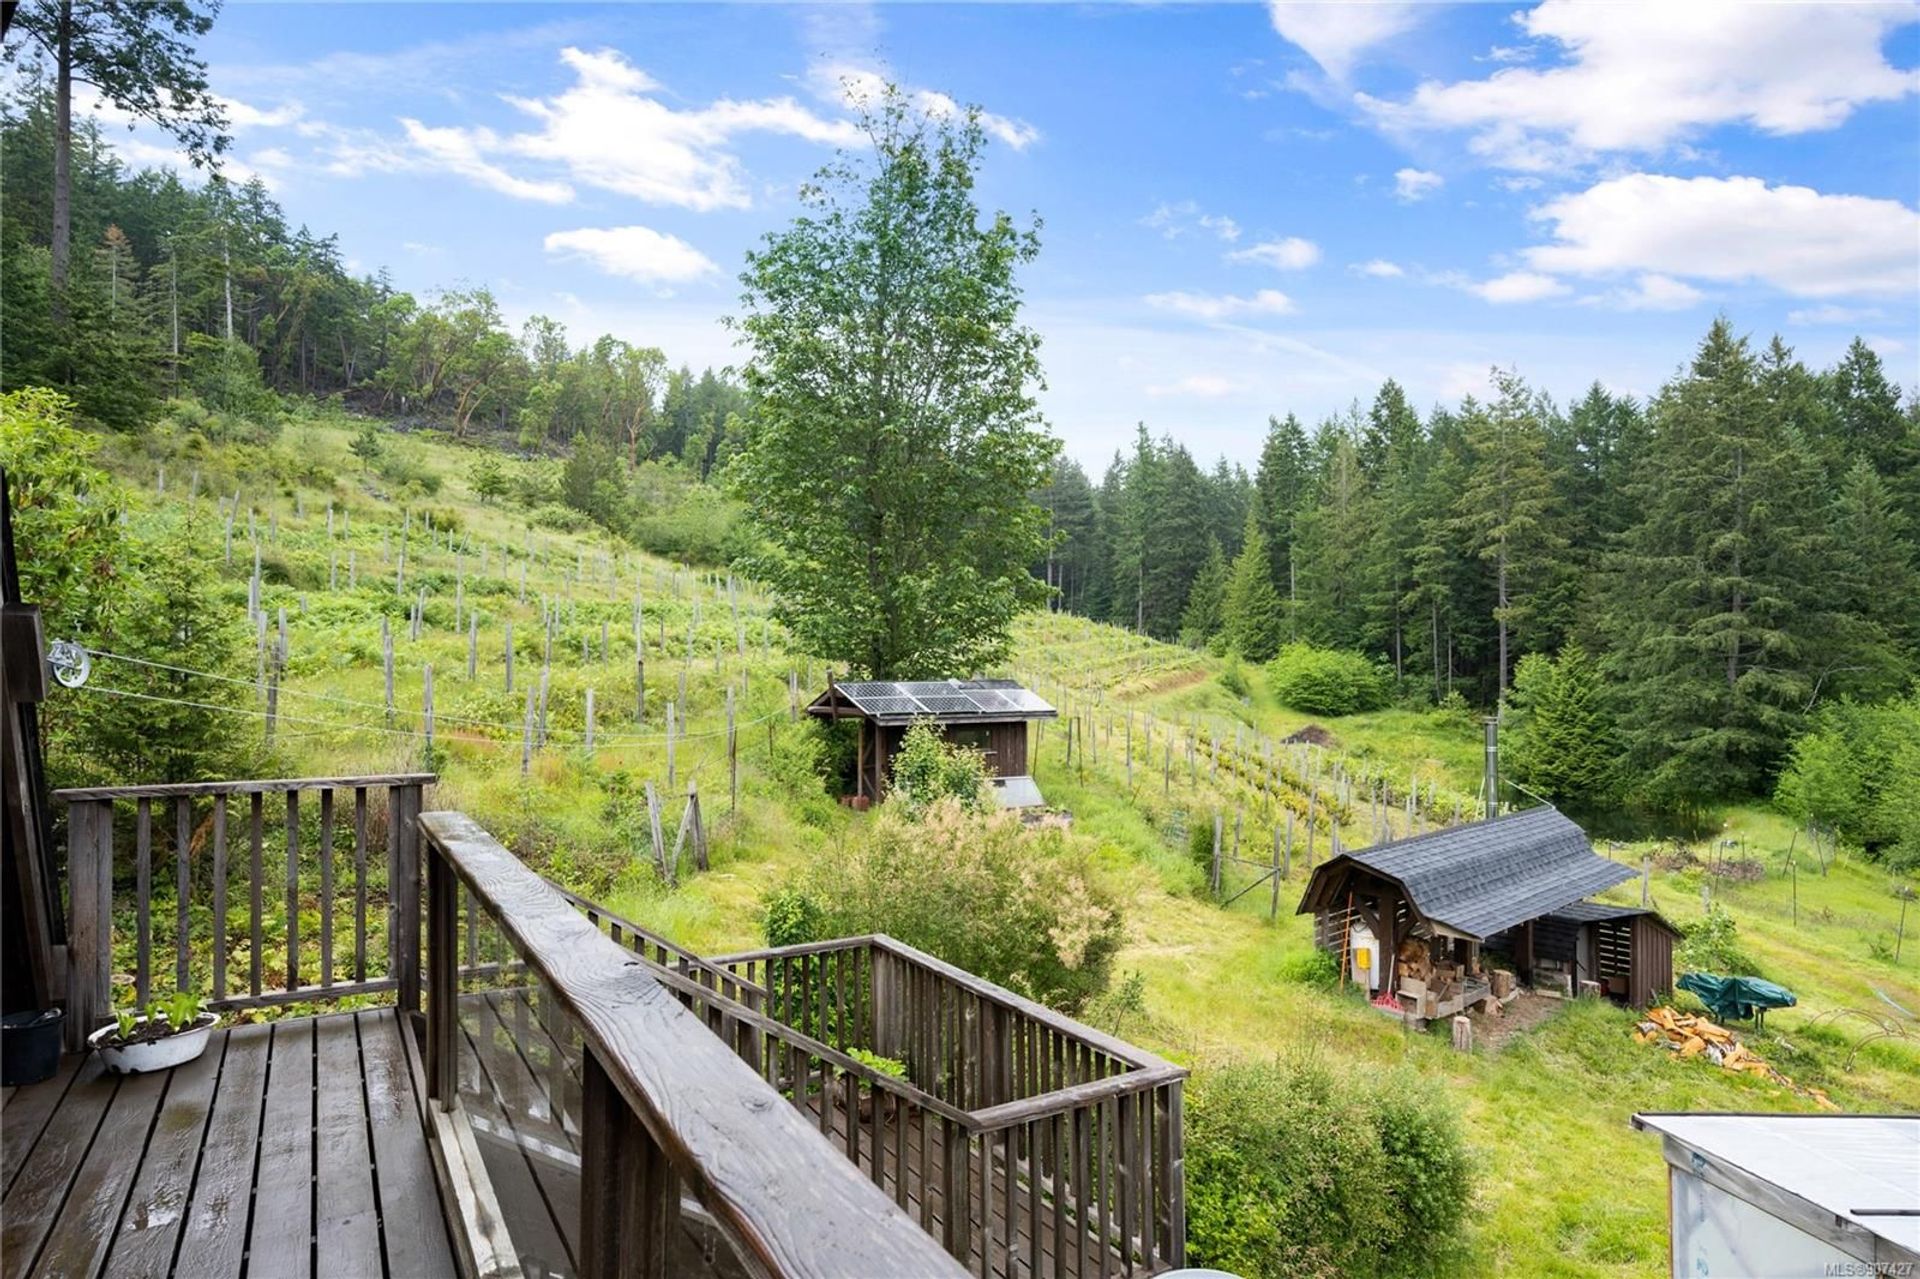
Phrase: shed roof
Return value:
(947, 701)
(1860, 1172)
(1484, 877)
(1600, 912)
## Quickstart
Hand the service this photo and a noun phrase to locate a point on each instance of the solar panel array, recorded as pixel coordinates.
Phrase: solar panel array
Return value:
(944, 698)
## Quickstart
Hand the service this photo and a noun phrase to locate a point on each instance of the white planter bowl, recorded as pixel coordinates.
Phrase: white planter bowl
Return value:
(156, 1054)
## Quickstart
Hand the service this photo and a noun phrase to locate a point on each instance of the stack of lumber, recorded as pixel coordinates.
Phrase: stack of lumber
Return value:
(1692, 1036)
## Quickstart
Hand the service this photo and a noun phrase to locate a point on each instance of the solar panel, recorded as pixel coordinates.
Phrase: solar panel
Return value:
(948, 703)
(990, 701)
(891, 706)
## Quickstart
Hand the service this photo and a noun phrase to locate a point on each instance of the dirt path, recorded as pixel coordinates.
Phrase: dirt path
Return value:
(1520, 1016)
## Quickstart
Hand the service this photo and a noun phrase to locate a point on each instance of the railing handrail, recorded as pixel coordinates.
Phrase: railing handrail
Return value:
(695, 961)
(1063, 1100)
(271, 786)
(786, 1198)
(1134, 1058)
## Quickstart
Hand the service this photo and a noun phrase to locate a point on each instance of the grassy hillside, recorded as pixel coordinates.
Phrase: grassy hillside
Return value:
(1568, 1188)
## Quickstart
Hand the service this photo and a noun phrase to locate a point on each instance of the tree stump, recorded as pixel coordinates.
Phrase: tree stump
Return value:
(1463, 1033)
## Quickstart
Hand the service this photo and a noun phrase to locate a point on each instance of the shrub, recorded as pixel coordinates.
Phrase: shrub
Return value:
(562, 519)
(1327, 681)
(1296, 1169)
(1712, 945)
(791, 918)
(1233, 676)
(1313, 967)
(1015, 904)
(928, 768)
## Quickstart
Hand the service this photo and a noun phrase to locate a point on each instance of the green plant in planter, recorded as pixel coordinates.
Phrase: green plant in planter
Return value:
(179, 1012)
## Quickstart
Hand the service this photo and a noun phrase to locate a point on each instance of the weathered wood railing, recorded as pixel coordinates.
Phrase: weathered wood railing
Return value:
(576, 1100)
(291, 869)
(1070, 1157)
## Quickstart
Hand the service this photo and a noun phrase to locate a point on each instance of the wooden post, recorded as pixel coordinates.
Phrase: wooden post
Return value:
(90, 922)
(1216, 855)
(545, 676)
(589, 721)
(1273, 907)
(473, 644)
(639, 685)
(659, 840)
(273, 703)
(1463, 1033)
(426, 712)
(443, 920)
(403, 891)
(386, 663)
(629, 1195)
(509, 656)
(526, 736)
(733, 760)
(671, 721)
(1646, 881)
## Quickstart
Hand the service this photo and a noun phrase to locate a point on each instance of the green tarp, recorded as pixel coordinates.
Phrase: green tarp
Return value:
(1736, 998)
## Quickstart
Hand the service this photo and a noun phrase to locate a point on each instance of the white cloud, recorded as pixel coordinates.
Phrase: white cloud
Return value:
(1174, 220)
(1222, 306)
(611, 130)
(1203, 386)
(459, 151)
(1518, 286)
(1335, 35)
(1416, 184)
(637, 252)
(241, 115)
(1289, 254)
(1379, 269)
(1793, 238)
(1652, 292)
(852, 85)
(1644, 76)
(1828, 313)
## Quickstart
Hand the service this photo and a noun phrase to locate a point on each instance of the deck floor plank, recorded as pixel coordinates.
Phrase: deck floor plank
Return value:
(411, 1219)
(280, 1236)
(38, 1193)
(85, 1229)
(27, 1111)
(214, 1170)
(213, 1238)
(150, 1227)
(534, 1204)
(347, 1225)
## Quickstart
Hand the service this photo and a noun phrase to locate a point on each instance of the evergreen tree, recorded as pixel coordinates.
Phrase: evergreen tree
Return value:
(1329, 560)
(1709, 607)
(1205, 615)
(1280, 485)
(1394, 439)
(1560, 740)
(1254, 619)
(1505, 512)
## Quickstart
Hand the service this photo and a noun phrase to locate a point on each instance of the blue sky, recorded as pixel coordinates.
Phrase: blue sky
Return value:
(1248, 209)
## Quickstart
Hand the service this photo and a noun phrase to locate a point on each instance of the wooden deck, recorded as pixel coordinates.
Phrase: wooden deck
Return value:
(289, 1149)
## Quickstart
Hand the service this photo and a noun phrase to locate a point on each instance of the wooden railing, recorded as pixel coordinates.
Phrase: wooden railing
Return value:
(1069, 1150)
(663, 1107)
(353, 855)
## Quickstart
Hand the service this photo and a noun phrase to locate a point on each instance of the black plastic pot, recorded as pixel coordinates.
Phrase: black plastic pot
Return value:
(30, 1046)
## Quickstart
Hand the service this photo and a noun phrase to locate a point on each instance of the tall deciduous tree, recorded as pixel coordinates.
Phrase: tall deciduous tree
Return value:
(140, 59)
(899, 442)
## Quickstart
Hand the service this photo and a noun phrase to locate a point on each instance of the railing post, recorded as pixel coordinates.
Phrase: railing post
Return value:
(90, 924)
(629, 1196)
(403, 894)
(443, 976)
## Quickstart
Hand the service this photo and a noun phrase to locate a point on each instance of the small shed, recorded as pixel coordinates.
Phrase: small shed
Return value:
(987, 715)
(1422, 908)
(1778, 1195)
(1628, 950)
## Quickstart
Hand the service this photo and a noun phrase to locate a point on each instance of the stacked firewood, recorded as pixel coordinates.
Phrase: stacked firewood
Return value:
(1692, 1036)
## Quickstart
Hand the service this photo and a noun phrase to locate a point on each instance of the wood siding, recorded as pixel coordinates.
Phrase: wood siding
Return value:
(1652, 974)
